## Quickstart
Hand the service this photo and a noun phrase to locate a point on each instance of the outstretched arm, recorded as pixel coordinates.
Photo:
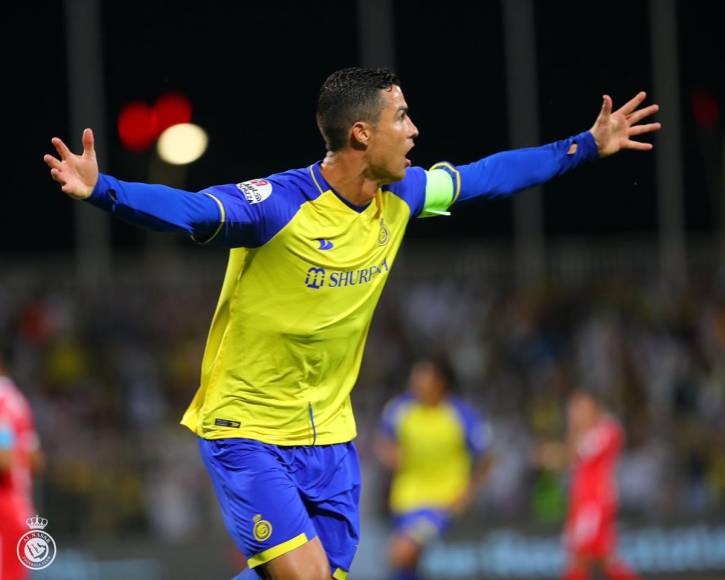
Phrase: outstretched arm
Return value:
(511, 171)
(156, 207)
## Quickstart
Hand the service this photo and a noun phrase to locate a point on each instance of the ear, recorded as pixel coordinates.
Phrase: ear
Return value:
(360, 133)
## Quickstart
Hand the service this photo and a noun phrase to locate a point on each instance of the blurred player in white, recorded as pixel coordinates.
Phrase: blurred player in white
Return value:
(20, 456)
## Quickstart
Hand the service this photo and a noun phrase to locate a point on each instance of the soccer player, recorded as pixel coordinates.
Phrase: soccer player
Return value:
(20, 456)
(311, 250)
(437, 447)
(595, 440)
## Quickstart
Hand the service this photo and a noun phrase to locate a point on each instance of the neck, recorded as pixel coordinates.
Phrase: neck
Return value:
(434, 400)
(347, 172)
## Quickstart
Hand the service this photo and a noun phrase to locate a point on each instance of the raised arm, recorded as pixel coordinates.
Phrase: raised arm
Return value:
(218, 213)
(511, 171)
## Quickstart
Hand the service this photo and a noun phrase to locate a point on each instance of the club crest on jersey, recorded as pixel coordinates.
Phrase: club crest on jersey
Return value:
(384, 234)
(255, 190)
(262, 528)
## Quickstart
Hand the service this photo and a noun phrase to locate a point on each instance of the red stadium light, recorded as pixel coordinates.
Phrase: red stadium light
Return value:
(138, 126)
(172, 109)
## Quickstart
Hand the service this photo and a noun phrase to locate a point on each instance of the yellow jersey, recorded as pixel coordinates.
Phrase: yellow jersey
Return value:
(289, 330)
(437, 446)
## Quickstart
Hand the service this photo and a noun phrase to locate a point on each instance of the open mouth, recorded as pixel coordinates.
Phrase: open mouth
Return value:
(407, 161)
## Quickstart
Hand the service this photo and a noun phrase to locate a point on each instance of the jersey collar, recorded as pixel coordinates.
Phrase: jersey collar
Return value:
(323, 186)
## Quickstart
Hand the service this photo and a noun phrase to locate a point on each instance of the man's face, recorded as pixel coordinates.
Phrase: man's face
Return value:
(426, 384)
(391, 138)
(582, 411)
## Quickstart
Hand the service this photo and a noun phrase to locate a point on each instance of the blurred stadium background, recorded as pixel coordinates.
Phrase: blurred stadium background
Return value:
(610, 278)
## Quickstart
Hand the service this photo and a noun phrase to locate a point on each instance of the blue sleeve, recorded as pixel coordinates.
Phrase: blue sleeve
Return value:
(392, 415)
(411, 189)
(511, 171)
(245, 214)
(7, 439)
(476, 429)
(157, 207)
(255, 210)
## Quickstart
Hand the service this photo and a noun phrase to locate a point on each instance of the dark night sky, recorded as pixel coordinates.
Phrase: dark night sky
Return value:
(252, 71)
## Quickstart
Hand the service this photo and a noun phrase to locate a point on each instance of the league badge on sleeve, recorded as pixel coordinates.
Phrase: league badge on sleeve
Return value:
(255, 190)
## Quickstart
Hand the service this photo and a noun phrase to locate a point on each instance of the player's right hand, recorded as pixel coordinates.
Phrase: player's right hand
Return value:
(77, 174)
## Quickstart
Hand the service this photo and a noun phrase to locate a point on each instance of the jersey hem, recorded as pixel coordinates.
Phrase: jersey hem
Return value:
(273, 440)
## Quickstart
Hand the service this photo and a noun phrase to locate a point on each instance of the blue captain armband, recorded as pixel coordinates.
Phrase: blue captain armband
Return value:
(442, 188)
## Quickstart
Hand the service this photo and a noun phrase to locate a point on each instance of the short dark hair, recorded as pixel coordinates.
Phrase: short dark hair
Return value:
(443, 368)
(347, 96)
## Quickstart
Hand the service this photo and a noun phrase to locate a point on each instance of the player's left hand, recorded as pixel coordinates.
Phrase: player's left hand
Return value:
(613, 131)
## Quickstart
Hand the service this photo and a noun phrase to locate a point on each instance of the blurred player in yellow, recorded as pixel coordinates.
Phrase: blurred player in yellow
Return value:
(438, 449)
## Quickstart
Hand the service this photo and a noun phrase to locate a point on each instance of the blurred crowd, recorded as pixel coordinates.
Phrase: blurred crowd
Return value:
(110, 368)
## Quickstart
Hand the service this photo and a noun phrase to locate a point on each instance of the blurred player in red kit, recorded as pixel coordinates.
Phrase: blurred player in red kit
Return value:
(19, 457)
(595, 440)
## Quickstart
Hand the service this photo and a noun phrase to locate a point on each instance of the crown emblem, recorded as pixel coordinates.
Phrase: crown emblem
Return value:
(36, 522)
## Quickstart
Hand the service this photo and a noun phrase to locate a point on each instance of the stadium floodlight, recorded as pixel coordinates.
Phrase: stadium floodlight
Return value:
(137, 126)
(182, 144)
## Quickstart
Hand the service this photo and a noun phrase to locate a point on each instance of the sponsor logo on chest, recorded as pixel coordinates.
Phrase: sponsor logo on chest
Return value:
(317, 278)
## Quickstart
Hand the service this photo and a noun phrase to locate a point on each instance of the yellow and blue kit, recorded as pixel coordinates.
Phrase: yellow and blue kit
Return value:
(305, 271)
(438, 446)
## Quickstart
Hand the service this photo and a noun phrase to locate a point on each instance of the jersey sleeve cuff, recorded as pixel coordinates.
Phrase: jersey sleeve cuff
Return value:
(587, 145)
(102, 195)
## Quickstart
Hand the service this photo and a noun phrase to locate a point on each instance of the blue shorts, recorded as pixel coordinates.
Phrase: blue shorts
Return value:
(275, 498)
(422, 525)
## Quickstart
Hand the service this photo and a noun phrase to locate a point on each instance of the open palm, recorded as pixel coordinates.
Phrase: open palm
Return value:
(613, 131)
(77, 174)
